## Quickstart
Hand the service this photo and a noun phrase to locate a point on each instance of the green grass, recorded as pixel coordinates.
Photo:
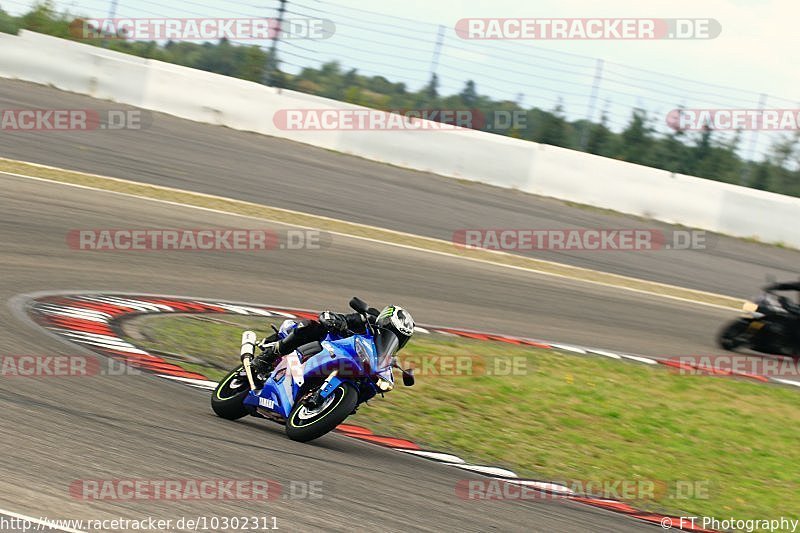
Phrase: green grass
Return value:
(571, 417)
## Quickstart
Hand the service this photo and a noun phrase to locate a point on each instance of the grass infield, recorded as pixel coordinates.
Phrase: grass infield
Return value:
(711, 446)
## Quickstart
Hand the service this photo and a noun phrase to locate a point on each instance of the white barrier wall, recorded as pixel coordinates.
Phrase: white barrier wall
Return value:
(502, 161)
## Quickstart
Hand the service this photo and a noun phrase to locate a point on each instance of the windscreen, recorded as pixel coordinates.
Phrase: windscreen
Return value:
(387, 344)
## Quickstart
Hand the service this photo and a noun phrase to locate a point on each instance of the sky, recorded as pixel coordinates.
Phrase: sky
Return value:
(755, 53)
(757, 49)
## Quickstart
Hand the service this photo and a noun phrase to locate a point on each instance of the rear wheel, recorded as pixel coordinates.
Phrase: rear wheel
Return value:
(777, 343)
(308, 423)
(227, 399)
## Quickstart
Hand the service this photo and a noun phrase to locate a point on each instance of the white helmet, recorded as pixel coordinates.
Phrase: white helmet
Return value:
(398, 320)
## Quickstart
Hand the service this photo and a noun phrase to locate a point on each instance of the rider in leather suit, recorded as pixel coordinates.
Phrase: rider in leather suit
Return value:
(391, 318)
(791, 307)
(306, 331)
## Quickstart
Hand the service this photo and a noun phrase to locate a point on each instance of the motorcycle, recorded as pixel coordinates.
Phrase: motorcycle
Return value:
(315, 388)
(767, 326)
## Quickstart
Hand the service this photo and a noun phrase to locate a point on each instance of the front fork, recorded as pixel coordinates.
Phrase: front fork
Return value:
(325, 390)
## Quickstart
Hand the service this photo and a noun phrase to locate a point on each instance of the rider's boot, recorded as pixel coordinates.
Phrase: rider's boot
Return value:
(270, 355)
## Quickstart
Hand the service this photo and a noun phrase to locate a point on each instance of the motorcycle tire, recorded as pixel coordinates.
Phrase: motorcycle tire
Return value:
(731, 336)
(227, 401)
(305, 424)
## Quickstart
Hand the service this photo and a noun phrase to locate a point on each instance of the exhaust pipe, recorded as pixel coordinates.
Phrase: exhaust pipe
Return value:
(247, 353)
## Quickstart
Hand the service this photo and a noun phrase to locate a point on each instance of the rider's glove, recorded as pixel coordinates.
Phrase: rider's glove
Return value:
(332, 321)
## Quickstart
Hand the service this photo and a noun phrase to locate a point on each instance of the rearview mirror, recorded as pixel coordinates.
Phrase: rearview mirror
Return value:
(408, 377)
(358, 305)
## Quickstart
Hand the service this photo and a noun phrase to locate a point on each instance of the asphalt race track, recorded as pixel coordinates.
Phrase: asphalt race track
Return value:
(58, 430)
(273, 171)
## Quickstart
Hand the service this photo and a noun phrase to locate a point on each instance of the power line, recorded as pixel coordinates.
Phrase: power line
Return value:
(160, 4)
(339, 7)
(538, 87)
(379, 30)
(380, 55)
(688, 80)
(216, 8)
(368, 62)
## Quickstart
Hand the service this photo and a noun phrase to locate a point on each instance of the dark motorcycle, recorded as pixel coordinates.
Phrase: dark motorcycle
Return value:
(768, 325)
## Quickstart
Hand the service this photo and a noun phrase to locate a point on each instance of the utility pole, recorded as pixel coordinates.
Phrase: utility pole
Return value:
(272, 60)
(112, 12)
(744, 176)
(598, 77)
(437, 50)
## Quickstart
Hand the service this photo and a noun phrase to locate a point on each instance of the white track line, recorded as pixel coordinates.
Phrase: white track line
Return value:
(384, 242)
(786, 381)
(200, 383)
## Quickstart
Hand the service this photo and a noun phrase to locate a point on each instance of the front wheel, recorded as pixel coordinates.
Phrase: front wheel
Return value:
(305, 424)
(227, 400)
(733, 335)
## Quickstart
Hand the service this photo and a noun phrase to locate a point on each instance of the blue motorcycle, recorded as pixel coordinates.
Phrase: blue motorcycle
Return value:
(315, 388)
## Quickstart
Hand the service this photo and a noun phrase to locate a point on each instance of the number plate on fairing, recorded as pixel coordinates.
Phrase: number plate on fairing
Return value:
(266, 402)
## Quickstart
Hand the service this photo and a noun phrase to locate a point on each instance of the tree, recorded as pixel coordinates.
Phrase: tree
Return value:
(431, 90)
(42, 18)
(701, 150)
(253, 61)
(785, 159)
(760, 176)
(719, 160)
(672, 153)
(553, 128)
(636, 139)
(8, 24)
(599, 136)
(469, 95)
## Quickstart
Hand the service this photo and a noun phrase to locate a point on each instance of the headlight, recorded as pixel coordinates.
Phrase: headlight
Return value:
(361, 352)
(385, 385)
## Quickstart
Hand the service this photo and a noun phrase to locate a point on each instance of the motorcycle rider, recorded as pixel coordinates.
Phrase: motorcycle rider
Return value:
(786, 286)
(273, 348)
(792, 308)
